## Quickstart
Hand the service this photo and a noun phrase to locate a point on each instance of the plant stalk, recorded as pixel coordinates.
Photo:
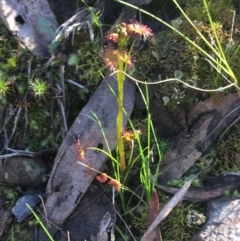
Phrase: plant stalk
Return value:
(120, 79)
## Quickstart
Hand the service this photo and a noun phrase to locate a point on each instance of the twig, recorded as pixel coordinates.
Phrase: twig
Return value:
(52, 102)
(149, 234)
(63, 86)
(48, 221)
(81, 19)
(218, 71)
(26, 153)
(75, 83)
(233, 20)
(26, 114)
(45, 211)
(7, 119)
(15, 123)
(233, 123)
(130, 232)
(174, 79)
(62, 109)
(29, 62)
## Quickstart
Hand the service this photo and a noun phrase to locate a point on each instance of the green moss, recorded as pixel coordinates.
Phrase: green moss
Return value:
(19, 233)
(220, 11)
(42, 130)
(178, 225)
(226, 155)
(40, 89)
(86, 67)
(11, 195)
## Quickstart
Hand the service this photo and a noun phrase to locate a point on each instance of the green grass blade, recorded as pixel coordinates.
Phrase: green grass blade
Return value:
(40, 222)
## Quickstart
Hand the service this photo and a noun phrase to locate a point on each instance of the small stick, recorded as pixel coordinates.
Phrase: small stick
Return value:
(15, 124)
(63, 86)
(25, 153)
(45, 211)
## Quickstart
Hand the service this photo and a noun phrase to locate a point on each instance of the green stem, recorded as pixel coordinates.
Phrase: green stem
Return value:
(219, 46)
(120, 80)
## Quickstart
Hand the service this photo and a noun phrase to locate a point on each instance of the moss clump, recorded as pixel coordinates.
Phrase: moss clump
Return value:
(178, 225)
(86, 67)
(20, 233)
(11, 195)
(226, 155)
(146, 67)
(220, 11)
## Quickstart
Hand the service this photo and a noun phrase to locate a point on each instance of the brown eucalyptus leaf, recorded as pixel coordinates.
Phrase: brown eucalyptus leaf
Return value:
(70, 179)
(208, 120)
(153, 211)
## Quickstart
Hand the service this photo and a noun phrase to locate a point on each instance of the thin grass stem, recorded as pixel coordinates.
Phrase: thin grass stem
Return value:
(40, 222)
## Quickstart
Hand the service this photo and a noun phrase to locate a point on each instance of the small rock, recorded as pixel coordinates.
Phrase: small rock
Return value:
(223, 221)
(22, 171)
(21, 211)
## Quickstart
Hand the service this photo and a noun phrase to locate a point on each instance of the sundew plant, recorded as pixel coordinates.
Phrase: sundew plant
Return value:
(118, 58)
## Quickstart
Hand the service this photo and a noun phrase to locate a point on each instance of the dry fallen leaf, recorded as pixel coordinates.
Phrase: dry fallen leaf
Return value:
(150, 234)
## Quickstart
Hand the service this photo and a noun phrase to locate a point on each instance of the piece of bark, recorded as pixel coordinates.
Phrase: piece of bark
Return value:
(208, 120)
(203, 194)
(32, 23)
(69, 179)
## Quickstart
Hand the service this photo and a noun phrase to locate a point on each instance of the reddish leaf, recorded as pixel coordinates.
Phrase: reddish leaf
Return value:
(153, 211)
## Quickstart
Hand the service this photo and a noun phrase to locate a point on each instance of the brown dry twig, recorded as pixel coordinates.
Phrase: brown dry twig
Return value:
(149, 234)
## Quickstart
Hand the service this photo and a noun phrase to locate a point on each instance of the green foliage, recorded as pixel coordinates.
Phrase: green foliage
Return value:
(163, 144)
(220, 11)
(11, 194)
(222, 16)
(87, 67)
(11, 63)
(40, 222)
(235, 193)
(139, 221)
(42, 130)
(146, 67)
(40, 89)
(74, 59)
(173, 53)
(19, 233)
(4, 87)
(180, 182)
